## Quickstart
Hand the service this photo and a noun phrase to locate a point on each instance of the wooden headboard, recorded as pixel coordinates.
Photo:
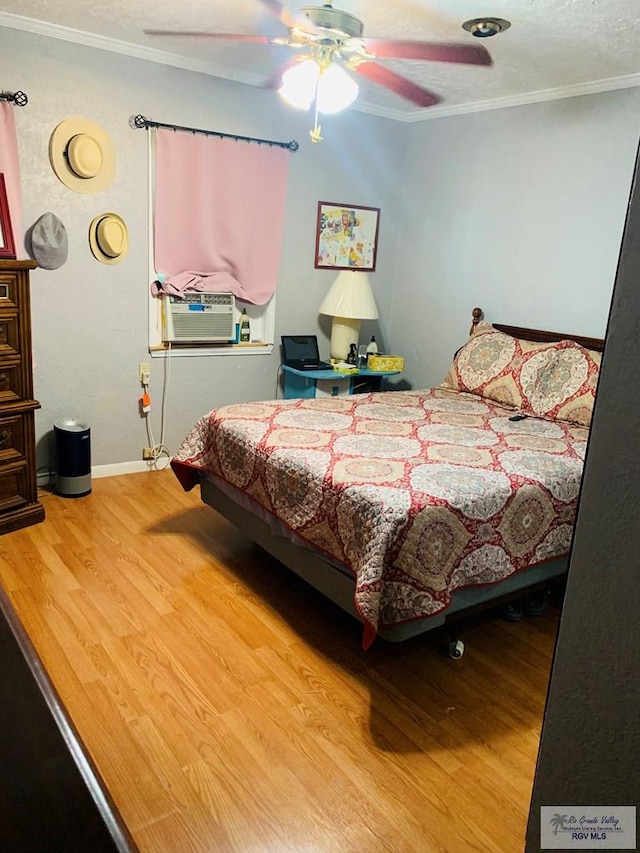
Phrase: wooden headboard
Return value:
(538, 334)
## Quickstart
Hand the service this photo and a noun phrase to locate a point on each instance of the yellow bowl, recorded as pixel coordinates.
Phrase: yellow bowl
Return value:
(385, 363)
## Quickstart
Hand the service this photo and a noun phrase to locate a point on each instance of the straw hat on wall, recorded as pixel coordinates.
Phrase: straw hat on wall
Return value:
(82, 155)
(109, 238)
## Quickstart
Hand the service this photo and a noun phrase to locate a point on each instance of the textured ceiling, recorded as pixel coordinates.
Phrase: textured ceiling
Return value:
(564, 45)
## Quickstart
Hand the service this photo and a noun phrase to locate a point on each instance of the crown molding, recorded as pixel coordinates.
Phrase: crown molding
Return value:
(147, 54)
(136, 51)
(593, 87)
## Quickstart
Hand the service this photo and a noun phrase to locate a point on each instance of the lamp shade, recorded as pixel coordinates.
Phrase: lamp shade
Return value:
(332, 88)
(349, 300)
(299, 84)
(350, 296)
(336, 90)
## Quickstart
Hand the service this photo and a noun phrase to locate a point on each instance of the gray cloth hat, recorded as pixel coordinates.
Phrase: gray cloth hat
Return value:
(49, 243)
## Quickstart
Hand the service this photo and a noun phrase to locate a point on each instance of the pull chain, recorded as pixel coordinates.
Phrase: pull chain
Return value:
(317, 129)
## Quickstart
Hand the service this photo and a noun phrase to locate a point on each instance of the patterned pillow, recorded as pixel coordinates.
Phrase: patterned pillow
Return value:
(494, 365)
(552, 380)
(565, 387)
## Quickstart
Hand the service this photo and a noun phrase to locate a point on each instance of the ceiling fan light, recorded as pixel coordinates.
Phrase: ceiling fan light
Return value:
(299, 84)
(483, 28)
(336, 90)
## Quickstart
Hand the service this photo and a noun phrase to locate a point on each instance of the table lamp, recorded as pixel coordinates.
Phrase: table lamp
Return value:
(349, 300)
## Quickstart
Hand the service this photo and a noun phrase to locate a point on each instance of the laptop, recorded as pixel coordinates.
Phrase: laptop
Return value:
(301, 352)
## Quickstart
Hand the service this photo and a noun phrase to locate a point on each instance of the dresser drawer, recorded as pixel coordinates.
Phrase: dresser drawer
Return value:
(14, 487)
(8, 290)
(9, 334)
(13, 465)
(11, 389)
(12, 441)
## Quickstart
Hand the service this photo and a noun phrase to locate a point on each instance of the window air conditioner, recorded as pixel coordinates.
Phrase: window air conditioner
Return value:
(199, 318)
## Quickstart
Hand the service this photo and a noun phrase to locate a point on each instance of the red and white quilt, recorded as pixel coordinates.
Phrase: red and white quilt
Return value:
(419, 493)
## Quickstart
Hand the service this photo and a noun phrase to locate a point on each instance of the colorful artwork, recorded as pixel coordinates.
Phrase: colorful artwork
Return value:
(347, 236)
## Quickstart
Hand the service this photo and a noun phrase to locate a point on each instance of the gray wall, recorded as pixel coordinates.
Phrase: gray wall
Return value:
(590, 746)
(519, 211)
(90, 319)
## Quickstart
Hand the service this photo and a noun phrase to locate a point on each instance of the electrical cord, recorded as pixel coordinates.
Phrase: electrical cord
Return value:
(278, 372)
(160, 450)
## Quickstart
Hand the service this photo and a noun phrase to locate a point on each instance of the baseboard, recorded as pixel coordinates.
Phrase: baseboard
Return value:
(118, 468)
(98, 471)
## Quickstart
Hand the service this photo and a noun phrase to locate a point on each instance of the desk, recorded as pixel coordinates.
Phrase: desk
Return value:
(331, 383)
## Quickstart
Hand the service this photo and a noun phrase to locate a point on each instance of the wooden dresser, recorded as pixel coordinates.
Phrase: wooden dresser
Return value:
(19, 504)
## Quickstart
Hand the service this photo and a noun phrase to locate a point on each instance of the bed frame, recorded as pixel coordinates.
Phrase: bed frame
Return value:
(337, 582)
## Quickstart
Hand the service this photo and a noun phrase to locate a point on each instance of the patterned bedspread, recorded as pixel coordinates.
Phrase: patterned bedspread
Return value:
(419, 493)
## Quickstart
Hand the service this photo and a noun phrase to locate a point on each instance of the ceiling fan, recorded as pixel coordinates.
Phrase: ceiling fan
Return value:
(330, 41)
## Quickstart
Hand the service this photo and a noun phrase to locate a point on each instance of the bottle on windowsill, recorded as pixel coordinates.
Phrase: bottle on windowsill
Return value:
(245, 327)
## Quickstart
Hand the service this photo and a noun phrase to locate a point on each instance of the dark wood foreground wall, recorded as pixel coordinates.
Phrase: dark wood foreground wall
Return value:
(590, 746)
(46, 802)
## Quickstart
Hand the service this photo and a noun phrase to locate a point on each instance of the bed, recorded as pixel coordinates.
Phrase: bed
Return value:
(411, 509)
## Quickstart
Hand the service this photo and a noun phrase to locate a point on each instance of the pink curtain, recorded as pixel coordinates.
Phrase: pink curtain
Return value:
(219, 214)
(10, 168)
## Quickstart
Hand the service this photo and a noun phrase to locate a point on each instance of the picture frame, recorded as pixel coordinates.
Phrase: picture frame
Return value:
(7, 245)
(346, 236)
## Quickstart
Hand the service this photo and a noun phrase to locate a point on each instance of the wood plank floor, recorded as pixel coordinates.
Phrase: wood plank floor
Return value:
(229, 707)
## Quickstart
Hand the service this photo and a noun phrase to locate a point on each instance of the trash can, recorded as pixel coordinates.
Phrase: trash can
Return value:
(73, 448)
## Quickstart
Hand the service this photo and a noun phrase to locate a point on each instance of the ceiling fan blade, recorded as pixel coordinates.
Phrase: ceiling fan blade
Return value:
(292, 21)
(275, 6)
(196, 34)
(400, 85)
(469, 54)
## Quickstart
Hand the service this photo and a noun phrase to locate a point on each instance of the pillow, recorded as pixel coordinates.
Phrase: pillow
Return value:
(555, 380)
(565, 388)
(499, 367)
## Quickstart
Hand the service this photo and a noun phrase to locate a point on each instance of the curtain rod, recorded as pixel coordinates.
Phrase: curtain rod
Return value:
(19, 98)
(140, 121)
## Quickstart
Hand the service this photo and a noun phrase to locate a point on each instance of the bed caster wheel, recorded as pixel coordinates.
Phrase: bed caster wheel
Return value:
(455, 650)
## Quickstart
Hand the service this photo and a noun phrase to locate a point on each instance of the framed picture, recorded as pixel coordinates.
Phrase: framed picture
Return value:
(346, 236)
(7, 247)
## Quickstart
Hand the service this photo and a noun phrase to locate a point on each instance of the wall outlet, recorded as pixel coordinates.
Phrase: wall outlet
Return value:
(147, 454)
(144, 372)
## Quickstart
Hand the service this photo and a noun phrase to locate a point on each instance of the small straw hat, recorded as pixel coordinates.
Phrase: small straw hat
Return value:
(109, 238)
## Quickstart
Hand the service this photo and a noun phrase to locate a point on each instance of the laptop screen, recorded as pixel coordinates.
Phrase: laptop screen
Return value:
(296, 348)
